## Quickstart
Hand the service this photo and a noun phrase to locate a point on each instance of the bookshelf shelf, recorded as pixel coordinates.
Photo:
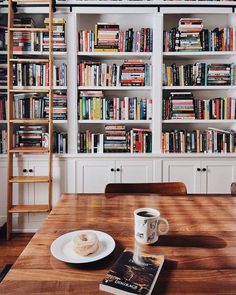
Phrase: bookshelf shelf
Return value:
(117, 88)
(114, 121)
(185, 121)
(3, 87)
(43, 53)
(117, 55)
(199, 55)
(199, 87)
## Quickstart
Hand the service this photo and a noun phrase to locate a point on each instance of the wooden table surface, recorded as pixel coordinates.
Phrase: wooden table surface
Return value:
(200, 248)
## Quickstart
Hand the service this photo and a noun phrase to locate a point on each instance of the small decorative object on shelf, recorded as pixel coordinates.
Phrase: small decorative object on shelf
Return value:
(212, 140)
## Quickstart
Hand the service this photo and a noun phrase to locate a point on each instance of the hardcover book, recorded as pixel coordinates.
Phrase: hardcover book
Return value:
(133, 273)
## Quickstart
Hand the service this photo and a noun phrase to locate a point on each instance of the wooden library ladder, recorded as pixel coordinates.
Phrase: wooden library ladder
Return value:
(11, 121)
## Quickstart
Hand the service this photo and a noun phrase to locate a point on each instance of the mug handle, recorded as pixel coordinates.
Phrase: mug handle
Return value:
(167, 227)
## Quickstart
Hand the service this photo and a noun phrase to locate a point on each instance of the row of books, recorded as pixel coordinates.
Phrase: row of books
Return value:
(34, 41)
(182, 105)
(197, 141)
(115, 140)
(35, 106)
(37, 136)
(60, 142)
(108, 37)
(33, 74)
(3, 107)
(3, 141)
(94, 106)
(219, 39)
(130, 73)
(3, 73)
(199, 74)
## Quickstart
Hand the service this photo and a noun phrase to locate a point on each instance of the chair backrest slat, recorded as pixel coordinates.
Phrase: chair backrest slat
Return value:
(162, 188)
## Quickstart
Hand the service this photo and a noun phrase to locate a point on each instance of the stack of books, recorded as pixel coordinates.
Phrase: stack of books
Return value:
(140, 140)
(59, 142)
(59, 43)
(3, 106)
(135, 73)
(221, 108)
(28, 105)
(220, 74)
(108, 38)
(90, 142)
(59, 106)
(93, 106)
(197, 141)
(199, 74)
(3, 141)
(188, 38)
(184, 38)
(30, 136)
(115, 140)
(179, 105)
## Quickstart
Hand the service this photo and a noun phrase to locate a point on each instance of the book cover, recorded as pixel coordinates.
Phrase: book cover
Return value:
(133, 273)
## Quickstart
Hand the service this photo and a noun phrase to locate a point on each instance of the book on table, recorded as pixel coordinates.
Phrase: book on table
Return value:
(133, 273)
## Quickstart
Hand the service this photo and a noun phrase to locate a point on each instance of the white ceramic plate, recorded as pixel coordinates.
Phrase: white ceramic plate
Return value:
(62, 247)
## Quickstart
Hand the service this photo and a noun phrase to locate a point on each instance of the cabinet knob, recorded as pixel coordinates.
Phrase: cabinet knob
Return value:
(25, 170)
(118, 169)
(199, 169)
(204, 169)
(31, 170)
(112, 169)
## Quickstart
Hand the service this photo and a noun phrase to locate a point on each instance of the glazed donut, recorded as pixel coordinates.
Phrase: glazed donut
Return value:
(85, 243)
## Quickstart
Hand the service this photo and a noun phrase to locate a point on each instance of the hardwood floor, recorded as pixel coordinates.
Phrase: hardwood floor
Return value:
(10, 250)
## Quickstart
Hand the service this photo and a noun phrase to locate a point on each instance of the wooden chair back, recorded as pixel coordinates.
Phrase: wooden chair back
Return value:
(233, 188)
(162, 188)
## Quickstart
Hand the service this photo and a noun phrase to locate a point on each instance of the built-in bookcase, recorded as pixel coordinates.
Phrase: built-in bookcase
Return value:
(211, 21)
(125, 21)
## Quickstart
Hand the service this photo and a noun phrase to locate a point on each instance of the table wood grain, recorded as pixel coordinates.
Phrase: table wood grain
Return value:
(200, 248)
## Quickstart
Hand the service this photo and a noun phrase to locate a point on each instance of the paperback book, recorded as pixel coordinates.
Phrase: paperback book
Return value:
(133, 273)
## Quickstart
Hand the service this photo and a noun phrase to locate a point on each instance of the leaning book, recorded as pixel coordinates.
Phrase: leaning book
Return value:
(133, 273)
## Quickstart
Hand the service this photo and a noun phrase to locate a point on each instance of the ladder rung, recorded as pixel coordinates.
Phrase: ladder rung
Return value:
(25, 90)
(29, 30)
(30, 60)
(28, 208)
(29, 179)
(35, 121)
(33, 150)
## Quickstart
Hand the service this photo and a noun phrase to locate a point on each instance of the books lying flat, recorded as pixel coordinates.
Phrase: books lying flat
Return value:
(133, 273)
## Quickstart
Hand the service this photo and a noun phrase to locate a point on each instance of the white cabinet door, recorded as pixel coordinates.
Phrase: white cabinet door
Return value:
(185, 171)
(218, 176)
(134, 171)
(93, 176)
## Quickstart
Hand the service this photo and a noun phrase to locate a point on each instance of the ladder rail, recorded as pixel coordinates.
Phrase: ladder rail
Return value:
(11, 121)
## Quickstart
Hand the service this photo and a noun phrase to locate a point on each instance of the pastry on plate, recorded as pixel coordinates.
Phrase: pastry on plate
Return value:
(85, 243)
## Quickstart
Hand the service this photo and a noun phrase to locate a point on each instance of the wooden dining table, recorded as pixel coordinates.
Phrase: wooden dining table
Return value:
(199, 249)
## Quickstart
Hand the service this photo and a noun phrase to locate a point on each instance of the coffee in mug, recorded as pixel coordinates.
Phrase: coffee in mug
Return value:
(147, 225)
